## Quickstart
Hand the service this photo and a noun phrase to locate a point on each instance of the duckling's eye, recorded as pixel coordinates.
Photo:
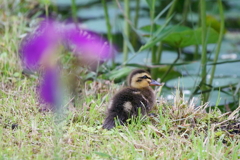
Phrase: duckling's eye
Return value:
(145, 77)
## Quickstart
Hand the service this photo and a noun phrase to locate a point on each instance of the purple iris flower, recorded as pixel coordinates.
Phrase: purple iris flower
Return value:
(86, 43)
(36, 44)
(49, 86)
(38, 49)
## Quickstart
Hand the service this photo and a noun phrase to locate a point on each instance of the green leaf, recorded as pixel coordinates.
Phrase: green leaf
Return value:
(103, 155)
(183, 37)
(149, 2)
(157, 38)
(118, 74)
(177, 36)
(212, 22)
(17, 74)
(147, 29)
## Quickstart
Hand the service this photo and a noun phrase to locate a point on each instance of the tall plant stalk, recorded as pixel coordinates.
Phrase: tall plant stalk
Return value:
(126, 29)
(196, 52)
(169, 14)
(154, 48)
(221, 33)
(109, 27)
(187, 3)
(171, 66)
(46, 5)
(160, 46)
(204, 48)
(46, 9)
(74, 11)
(152, 16)
(134, 40)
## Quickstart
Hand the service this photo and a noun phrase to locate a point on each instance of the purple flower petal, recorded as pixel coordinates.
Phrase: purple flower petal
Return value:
(36, 45)
(87, 44)
(50, 33)
(39, 49)
(49, 89)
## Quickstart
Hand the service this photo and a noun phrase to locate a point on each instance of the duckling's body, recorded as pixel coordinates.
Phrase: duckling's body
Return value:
(130, 101)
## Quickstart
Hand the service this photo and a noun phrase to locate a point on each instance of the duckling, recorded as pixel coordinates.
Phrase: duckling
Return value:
(130, 101)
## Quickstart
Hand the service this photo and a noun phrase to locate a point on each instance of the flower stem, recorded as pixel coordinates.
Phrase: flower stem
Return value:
(74, 11)
(126, 29)
(204, 48)
(221, 33)
(109, 27)
(134, 40)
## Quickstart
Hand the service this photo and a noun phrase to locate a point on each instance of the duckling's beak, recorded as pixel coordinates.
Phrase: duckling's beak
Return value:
(155, 83)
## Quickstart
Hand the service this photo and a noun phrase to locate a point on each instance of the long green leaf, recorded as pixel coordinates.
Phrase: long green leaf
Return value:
(182, 36)
(190, 37)
(160, 37)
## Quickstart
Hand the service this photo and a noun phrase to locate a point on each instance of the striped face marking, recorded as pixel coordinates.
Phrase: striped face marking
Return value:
(143, 78)
(140, 80)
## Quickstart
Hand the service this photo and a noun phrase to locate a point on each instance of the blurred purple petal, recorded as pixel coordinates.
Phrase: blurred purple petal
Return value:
(39, 48)
(87, 44)
(36, 44)
(49, 89)
(50, 33)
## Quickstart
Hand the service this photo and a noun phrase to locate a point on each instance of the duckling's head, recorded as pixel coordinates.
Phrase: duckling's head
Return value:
(140, 78)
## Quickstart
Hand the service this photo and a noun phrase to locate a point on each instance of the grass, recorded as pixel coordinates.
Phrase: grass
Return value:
(175, 131)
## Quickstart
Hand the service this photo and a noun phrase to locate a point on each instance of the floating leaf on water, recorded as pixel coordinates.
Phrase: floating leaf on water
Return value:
(99, 25)
(228, 69)
(142, 21)
(220, 98)
(97, 11)
(190, 82)
(222, 70)
(67, 3)
(144, 58)
(185, 82)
